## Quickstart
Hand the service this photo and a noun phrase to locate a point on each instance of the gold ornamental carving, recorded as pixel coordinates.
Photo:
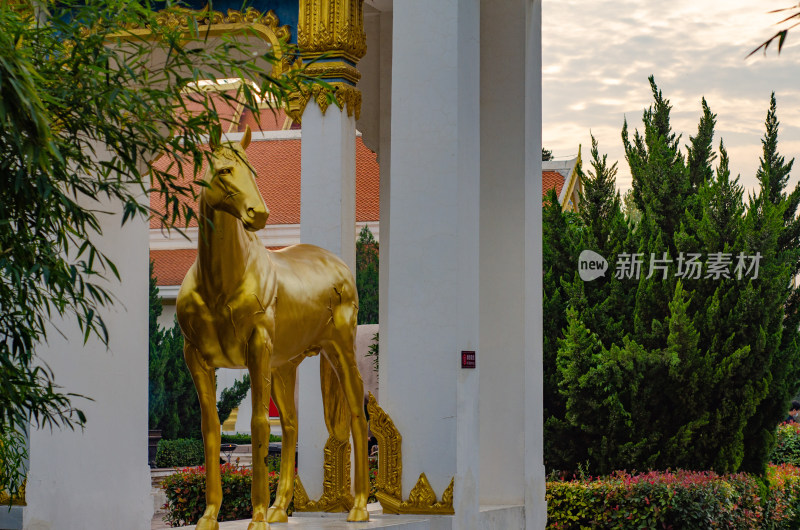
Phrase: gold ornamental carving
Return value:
(422, 498)
(346, 97)
(336, 495)
(331, 40)
(215, 23)
(332, 27)
(390, 457)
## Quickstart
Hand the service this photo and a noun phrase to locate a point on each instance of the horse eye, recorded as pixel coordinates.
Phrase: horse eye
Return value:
(224, 171)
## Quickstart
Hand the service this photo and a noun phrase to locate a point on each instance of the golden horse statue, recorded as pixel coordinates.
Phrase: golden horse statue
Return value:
(243, 306)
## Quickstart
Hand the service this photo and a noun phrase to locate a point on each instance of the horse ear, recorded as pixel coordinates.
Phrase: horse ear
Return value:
(246, 138)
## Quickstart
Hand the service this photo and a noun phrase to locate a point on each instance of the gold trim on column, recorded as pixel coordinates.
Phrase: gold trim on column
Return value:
(331, 40)
(336, 496)
(422, 498)
(347, 96)
(332, 27)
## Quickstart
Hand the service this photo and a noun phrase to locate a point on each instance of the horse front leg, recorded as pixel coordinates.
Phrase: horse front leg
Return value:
(258, 363)
(283, 385)
(205, 384)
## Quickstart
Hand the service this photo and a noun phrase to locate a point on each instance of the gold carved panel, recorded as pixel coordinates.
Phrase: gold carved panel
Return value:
(336, 496)
(422, 498)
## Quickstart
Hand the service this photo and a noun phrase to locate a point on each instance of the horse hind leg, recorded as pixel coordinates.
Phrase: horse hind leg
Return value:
(283, 385)
(343, 399)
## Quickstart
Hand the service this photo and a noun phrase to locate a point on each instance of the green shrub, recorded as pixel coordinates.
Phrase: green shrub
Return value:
(681, 499)
(787, 445)
(783, 501)
(245, 439)
(179, 453)
(238, 439)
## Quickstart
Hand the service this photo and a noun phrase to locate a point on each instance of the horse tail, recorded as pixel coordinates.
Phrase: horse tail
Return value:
(337, 414)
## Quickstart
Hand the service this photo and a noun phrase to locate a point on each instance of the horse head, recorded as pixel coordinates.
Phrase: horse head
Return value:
(231, 184)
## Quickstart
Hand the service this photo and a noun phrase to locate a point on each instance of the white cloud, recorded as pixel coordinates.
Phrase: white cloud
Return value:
(597, 57)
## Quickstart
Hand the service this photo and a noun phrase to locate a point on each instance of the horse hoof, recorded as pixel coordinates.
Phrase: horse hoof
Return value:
(207, 523)
(277, 515)
(257, 525)
(358, 515)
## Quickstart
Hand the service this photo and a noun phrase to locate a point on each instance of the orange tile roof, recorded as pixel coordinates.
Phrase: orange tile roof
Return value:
(269, 120)
(552, 179)
(170, 266)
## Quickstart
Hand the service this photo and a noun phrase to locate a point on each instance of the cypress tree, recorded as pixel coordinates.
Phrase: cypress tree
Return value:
(561, 241)
(697, 371)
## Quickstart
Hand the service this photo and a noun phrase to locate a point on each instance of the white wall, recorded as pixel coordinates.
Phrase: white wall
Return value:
(98, 477)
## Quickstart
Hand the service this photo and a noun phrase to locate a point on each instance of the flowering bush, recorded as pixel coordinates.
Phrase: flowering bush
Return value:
(186, 493)
(680, 499)
(787, 445)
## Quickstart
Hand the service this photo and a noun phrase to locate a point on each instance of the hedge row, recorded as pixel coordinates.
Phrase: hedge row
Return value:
(179, 453)
(680, 499)
(186, 493)
(244, 439)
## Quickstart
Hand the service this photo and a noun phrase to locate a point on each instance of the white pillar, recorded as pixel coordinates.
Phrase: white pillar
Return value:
(535, 505)
(98, 477)
(433, 290)
(504, 146)
(384, 159)
(327, 219)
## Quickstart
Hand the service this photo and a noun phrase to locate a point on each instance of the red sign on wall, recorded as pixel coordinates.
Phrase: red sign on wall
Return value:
(467, 359)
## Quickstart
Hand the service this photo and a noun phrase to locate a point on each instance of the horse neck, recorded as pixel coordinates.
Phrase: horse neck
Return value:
(222, 250)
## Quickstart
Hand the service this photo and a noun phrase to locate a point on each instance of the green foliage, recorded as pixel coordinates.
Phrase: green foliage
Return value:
(231, 397)
(672, 370)
(64, 94)
(547, 154)
(367, 277)
(373, 352)
(179, 453)
(174, 406)
(787, 445)
(681, 499)
(14, 455)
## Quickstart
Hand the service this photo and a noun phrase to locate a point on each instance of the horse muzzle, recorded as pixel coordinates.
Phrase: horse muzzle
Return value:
(255, 218)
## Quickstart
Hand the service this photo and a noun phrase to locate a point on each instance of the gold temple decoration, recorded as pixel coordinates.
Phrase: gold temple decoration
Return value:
(390, 458)
(336, 495)
(422, 498)
(215, 23)
(332, 27)
(241, 305)
(17, 500)
(331, 39)
(347, 97)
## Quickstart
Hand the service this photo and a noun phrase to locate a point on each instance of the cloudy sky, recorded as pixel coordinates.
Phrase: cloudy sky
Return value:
(598, 54)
